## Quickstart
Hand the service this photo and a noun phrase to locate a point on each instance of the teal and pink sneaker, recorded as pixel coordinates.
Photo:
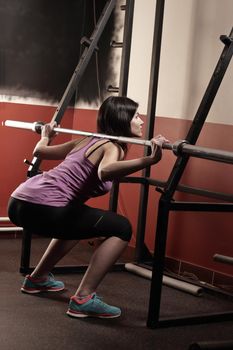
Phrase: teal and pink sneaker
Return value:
(91, 306)
(33, 285)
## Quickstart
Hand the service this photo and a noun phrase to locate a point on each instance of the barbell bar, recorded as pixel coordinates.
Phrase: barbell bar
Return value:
(180, 147)
(36, 126)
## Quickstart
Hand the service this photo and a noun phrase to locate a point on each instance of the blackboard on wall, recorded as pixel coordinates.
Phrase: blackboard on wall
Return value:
(40, 48)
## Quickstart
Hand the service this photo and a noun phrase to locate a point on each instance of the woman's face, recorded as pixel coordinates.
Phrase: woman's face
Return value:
(136, 125)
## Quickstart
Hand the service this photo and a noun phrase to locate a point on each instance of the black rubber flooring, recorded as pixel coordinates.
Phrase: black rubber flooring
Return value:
(40, 322)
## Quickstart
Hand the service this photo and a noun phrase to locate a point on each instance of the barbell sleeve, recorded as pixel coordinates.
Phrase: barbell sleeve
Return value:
(206, 153)
(20, 125)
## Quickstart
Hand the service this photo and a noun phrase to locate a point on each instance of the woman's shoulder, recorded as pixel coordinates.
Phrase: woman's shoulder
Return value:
(112, 146)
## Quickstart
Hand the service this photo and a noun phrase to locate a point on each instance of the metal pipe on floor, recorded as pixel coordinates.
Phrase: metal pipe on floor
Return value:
(4, 219)
(168, 281)
(212, 345)
(10, 229)
(223, 259)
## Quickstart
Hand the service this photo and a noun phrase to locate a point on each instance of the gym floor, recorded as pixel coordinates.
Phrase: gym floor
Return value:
(40, 321)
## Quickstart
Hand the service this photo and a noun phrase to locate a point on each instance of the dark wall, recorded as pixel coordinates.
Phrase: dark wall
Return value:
(40, 47)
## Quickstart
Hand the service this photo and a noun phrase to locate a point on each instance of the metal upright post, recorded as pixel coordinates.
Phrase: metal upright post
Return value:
(123, 85)
(158, 264)
(125, 57)
(141, 250)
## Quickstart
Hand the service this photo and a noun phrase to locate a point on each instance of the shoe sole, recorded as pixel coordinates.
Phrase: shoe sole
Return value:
(35, 291)
(82, 315)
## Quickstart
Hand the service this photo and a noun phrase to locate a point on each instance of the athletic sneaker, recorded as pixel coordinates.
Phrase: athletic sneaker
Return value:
(36, 285)
(91, 306)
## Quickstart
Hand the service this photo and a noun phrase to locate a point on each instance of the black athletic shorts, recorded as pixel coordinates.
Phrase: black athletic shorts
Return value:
(74, 221)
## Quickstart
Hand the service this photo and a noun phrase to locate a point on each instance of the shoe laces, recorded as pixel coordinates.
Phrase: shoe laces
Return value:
(98, 299)
(50, 276)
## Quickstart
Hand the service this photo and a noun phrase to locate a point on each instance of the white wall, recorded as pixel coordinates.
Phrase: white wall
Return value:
(189, 54)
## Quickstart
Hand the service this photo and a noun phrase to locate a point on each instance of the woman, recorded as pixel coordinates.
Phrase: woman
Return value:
(53, 203)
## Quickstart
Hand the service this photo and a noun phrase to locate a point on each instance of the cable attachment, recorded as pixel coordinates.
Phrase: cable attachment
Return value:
(160, 190)
(111, 88)
(226, 40)
(177, 146)
(26, 161)
(87, 42)
(116, 44)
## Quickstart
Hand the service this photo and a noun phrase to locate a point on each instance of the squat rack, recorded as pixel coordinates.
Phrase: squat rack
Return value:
(167, 204)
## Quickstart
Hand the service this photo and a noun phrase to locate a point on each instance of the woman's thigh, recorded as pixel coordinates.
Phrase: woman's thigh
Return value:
(94, 222)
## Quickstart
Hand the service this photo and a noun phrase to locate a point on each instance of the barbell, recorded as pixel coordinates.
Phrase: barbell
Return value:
(36, 127)
(179, 147)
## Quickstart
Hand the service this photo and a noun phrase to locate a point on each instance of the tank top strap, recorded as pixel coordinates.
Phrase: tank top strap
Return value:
(97, 147)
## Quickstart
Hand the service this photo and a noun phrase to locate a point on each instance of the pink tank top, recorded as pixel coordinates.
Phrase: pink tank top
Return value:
(75, 178)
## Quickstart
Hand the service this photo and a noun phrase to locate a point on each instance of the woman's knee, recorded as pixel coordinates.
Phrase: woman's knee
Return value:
(12, 211)
(112, 224)
(125, 229)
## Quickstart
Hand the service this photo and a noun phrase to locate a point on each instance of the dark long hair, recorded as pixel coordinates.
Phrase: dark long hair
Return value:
(115, 115)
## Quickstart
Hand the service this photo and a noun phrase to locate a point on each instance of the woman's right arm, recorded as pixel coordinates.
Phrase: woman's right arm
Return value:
(44, 151)
(112, 165)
